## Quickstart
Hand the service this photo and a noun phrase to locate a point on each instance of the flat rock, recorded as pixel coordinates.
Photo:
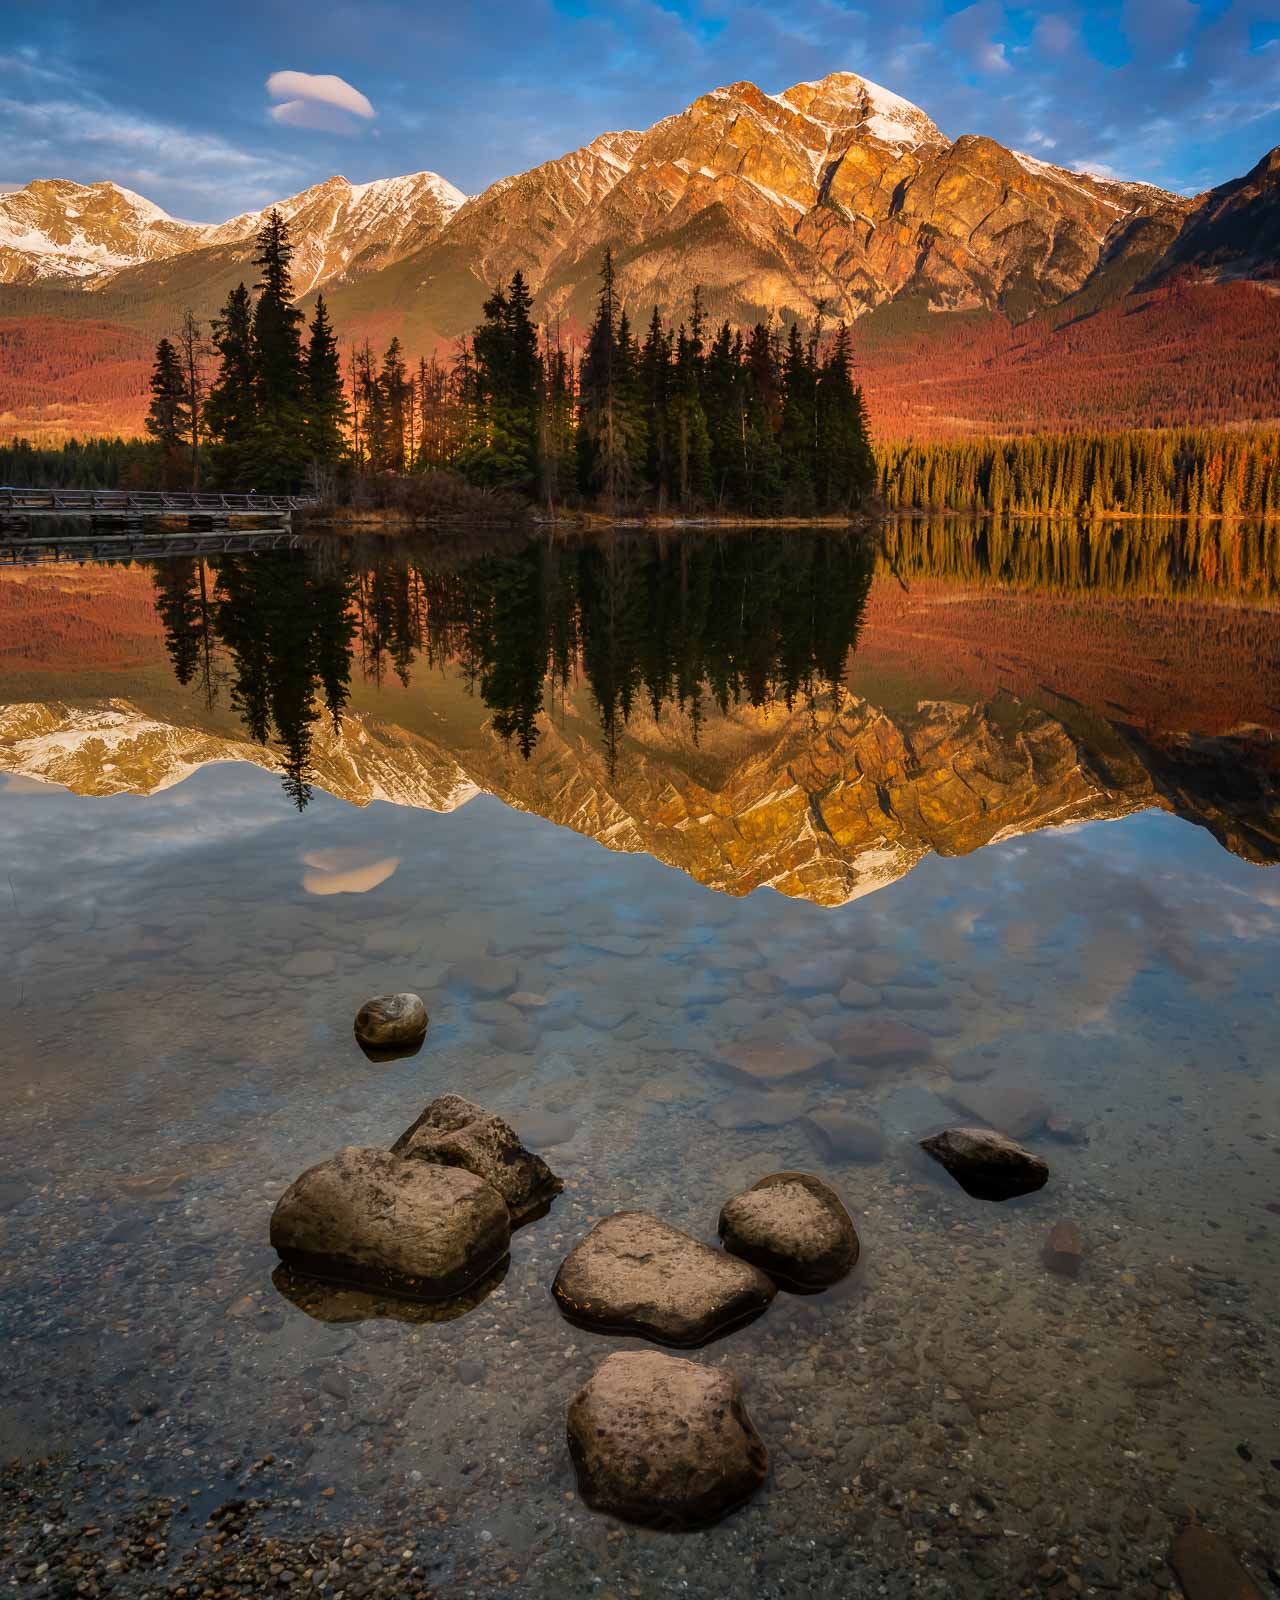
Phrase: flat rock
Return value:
(858, 996)
(634, 1273)
(1064, 1250)
(617, 945)
(663, 1441)
(841, 1137)
(546, 1128)
(1015, 1106)
(881, 1043)
(391, 1022)
(1207, 1568)
(792, 1226)
(452, 1132)
(310, 964)
(487, 978)
(987, 1164)
(810, 974)
(757, 1108)
(762, 1060)
(373, 1218)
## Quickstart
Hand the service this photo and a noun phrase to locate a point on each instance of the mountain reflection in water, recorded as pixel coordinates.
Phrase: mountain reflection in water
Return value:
(714, 700)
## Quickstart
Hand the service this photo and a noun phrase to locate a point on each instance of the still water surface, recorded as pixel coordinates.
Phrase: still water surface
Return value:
(1010, 795)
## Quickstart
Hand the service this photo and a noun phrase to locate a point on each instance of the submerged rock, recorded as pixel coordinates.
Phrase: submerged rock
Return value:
(392, 1022)
(986, 1164)
(1064, 1250)
(634, 1273)
(663, 1441)
(841, 1137)
(880, 1045)
(1207, 1569)
(792, 1226)
(1015, 1106)
(486, 978)
(763, 1061)
(452, 1132)
(375, 1219)
(756, 1108)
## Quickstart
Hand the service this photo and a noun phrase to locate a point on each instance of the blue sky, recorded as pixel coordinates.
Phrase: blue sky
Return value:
(174, 101)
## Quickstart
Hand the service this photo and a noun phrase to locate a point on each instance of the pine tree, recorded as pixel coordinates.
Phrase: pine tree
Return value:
(279, 368)
(328, 414)
(606, 433)
(231, 410)
(168, 417)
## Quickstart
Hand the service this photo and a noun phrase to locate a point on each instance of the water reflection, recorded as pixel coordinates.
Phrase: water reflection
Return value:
(760, 619)
(800, 709)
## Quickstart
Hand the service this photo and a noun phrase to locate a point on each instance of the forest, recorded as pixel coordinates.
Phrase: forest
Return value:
(687, 419)
(1180, 473)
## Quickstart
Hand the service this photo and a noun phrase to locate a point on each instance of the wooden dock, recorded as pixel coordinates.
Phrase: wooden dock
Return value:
(140, 505)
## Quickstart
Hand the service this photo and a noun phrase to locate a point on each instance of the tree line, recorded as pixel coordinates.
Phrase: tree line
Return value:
(690, 417)
(1184, 473)
(756, 619)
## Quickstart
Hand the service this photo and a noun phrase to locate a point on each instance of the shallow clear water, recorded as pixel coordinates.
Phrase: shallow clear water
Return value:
(1067, 892)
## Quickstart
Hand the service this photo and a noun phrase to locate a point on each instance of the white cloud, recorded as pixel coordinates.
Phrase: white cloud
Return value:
(87, 138)
(317, 100)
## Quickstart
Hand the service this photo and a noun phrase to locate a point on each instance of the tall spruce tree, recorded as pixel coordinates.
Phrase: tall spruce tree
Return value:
(280, 449)
(328, 413)
(231, 411)
(607, 422)
(168, 417)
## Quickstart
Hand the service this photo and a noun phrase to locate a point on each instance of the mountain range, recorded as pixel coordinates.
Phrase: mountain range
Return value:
(957, 257)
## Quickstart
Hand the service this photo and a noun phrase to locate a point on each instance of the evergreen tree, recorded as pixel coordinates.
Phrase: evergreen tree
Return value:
(280, 446)
(328, 414)
(168, 417)
(231, 410)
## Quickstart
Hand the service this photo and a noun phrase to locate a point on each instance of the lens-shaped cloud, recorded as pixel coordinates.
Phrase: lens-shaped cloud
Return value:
(317, 100)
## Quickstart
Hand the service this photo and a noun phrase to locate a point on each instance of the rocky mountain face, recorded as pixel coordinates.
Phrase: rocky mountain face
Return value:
(826, 806)
(54, 229)
(1234, 230)
(837, 192)
(87, 234)
(836, 195)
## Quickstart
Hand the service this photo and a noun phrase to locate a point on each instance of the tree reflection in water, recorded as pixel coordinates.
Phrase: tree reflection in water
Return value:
(759, 617)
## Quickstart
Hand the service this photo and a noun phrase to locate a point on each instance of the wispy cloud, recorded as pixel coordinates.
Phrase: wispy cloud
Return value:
(319, 101)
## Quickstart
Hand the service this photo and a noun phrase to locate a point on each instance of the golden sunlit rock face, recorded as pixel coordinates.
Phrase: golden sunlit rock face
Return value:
(837, 192)
(824, 803)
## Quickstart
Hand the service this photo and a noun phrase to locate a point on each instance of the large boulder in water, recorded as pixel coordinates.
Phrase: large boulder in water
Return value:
(373, 1218)
(663, 1441)
(392, 1022)
(634, 1273)
(986, 1164)
(452, 1132)
(792, 1226)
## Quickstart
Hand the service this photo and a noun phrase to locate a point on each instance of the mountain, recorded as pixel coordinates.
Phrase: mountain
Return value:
(56, 229)
(835, 197)
(1235, 229)
(88, 234)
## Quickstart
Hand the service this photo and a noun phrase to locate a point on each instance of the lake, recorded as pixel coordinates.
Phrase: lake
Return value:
(986, 815)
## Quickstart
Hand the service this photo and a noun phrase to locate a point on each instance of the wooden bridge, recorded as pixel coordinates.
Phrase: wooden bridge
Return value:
(135, 505)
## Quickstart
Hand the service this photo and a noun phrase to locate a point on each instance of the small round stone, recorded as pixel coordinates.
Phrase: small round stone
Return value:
(664, 1441)
(792, 1226)
(391, 1022)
